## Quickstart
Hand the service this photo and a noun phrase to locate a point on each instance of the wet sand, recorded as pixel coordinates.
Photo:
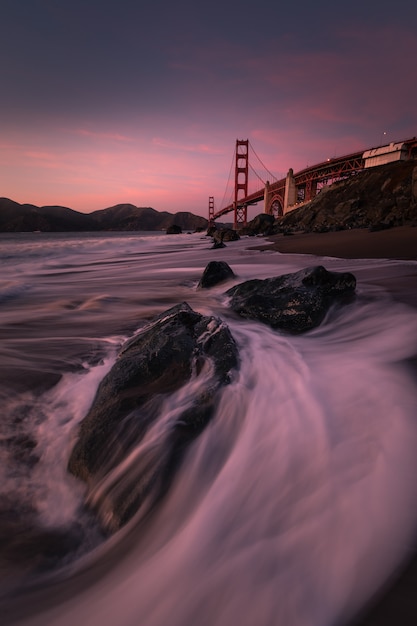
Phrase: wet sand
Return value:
(394, 243)
(396, 605)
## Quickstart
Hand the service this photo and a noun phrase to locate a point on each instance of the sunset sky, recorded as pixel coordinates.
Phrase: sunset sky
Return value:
(110, 101)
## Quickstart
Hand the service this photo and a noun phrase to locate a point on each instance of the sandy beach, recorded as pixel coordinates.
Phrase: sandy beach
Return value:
(394, 243)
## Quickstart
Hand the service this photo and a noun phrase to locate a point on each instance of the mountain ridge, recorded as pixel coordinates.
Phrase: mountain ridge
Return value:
(15, 217)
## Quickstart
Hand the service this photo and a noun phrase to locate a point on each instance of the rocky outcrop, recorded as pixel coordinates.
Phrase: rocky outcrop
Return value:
(292, 302)
(174, 230)
(262, 224)
(122, 444)
(373, 198)
(220, 235)
(215, 272)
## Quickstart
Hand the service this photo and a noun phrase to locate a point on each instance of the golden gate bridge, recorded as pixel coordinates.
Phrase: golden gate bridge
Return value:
(279, 196)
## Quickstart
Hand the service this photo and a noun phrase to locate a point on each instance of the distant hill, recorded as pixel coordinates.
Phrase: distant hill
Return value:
(15, 217)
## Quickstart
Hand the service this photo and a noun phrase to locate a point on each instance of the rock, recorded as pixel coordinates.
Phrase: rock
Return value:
(216, 272)
(174, 229)
(225, 234)
(387, 193)
(292, 302)
(127, 416)
(414, 185)
(262, 224)
(379, 226)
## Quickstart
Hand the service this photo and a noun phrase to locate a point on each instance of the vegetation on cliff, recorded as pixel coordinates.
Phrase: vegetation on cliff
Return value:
(379, 197)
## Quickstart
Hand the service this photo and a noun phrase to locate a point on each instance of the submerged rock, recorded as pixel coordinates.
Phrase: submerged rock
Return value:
(293, 302)
(218, 244)
(135, 432)
(215, 272)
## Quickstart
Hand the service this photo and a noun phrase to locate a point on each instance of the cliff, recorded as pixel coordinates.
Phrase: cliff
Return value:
(375, 198)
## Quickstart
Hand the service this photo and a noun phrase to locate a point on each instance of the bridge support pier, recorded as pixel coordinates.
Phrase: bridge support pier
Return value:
(311, 190)
(290, 197)
(267, 198)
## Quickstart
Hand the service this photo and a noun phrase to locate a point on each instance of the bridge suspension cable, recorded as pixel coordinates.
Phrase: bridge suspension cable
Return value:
(256, 174)
(272, 178)
(230, 196)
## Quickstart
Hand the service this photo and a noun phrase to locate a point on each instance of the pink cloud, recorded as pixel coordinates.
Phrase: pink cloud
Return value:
(297, 107)
(183, 147)
(83, 132)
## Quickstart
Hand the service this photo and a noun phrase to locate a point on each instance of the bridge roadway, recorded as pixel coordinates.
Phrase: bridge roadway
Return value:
(283, 195)
(305, 181)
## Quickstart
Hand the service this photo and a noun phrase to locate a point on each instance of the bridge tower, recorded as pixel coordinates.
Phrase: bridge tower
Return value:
(211, 211)
(241, 181)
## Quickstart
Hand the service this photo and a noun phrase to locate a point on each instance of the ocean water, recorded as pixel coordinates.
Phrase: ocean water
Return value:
(292, 508)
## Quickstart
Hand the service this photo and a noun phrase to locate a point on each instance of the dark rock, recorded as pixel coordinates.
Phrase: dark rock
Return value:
(382, 194)
(292, 302)
(174, 229)
(216, 272)
(262, 224)
(225, 234)
(174, 348)
(379, 226)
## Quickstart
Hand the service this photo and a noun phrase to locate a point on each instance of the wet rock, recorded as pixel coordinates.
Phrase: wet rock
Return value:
(174, 229)
(218, 244)
(292, 302)
(135, 432)
(225, 234)
(215, 272)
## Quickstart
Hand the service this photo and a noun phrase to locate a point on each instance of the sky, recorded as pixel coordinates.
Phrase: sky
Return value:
(121, 101)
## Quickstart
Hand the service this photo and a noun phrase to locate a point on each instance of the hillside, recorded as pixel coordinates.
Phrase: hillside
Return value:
(375, 198)
(15, 217)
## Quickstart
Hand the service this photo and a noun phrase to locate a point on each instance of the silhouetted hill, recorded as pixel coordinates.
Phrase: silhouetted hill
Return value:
(127, 217)
(15, 217)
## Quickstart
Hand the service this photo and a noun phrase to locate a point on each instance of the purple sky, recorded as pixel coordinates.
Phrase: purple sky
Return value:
(109, 101)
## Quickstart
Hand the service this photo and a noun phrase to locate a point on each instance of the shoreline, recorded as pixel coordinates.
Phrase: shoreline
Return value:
(399, 244)
(393, 243)
(396, 602)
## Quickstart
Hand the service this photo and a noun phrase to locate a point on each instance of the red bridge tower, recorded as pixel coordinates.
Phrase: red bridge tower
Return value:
(241, 181)
(211, 211)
